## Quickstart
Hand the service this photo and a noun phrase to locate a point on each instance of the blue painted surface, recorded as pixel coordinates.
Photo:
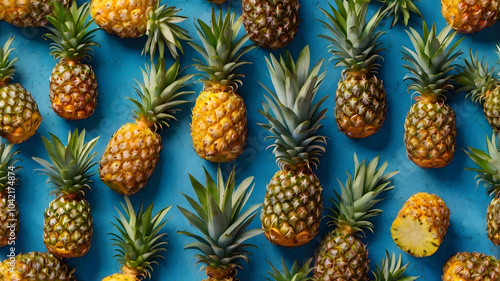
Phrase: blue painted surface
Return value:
(118, 63)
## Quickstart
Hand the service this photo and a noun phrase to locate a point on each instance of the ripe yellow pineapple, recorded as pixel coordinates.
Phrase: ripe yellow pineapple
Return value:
(73, 85)
(292, 208)
(468, 16)
(134, 150)
(219, 122)
(44, 266)
(9, 211)
(421, 224)
(471, 267)
(28, 12)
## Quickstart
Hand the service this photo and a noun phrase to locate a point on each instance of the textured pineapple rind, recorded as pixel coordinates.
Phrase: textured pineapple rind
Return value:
(6, 220)
(29, 13)
(471, 267)
(120, 277)
(491, 108)
(493, 221)
(469, 16)
(430, 134)
(292, 208)
(36, 266)
(360, 105)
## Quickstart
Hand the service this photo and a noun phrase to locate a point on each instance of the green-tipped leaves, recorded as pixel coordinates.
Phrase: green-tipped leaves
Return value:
(488, 162)
(8, 167)
(392, 269)
(6, 65)
(293, 274)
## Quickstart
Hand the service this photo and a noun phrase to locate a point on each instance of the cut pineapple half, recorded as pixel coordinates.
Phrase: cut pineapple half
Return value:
(414, 236)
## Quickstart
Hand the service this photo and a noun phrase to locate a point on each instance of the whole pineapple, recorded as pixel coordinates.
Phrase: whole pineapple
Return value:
(392, 270)
(271, 23)
(293, 274)
(341, 255)
(134, 150)
(222, 221)
(293, 203)
(471, 267)
(219, 122)
(68, 222)
(421, 225)
(360, 99)
(73, 86)
(430, 128)
(19, 115)
(469, 16)
(9, 211)
(139, 241)
(36, 266)
(28, 12)
(482, 86)
(135, 18)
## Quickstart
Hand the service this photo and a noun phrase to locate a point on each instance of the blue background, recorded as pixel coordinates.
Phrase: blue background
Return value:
(118, 63)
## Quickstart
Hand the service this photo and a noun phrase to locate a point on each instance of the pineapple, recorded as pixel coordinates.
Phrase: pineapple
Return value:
(421, 224)
(295, 274)
(222, 222)
(271, 23)
(139, 243)
(26, 13)
(293, 203)
(341, 255)
(9, 211)
(469, 16)
(391, 270)
(68, 223)
(488, 173)
(73, 86)
(135, 18)
(482, 86)
(430, 128)
(19, 113)
(360, 99)
(471, 267)
(219, 122)
(134, 150)
(397, 8)
(36, 266)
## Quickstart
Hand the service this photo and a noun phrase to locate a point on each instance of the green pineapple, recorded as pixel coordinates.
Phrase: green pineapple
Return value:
(9, 211)
(222, 221)
(293, 274)
(341, 255)
(392, 270)
(36, 266)
(68, 223)
(293, 203)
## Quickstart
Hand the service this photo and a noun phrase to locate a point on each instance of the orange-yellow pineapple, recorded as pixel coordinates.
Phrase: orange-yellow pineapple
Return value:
(28, 12)
(471, 267)
(468, 16)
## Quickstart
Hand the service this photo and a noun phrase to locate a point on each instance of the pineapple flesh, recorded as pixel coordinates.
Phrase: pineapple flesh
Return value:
(471, 267)
(36, 266)
(68, 222)
(469, 16)
(134, 149)
(28, 13)
(430, 128)
(219, 124)
(9, 211)
(271, 23)
(293, 204)
(341, 255)
(360, 99)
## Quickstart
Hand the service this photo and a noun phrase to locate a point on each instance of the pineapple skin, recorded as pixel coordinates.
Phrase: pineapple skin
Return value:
(120, 277)
(36, 266)
(469, 16)
(219, 124)
(491, 108)
(426, 209)
(68, 227)
(292, 208)
(430, 134)
(130, 158)
(341, 257)
(360, 105)
(73, 90)
(271, 23)
(5, 225)
(125, 18)
(220, 274)
(27, 13)
(19, 113)
(471, 267)
(493, 221)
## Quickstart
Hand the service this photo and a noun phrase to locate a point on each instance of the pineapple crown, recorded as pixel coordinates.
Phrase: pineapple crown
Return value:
(221, 220)
(162, 30)
(498, 54)
(139, 241)
(293, 117)
(489, 165)
(69, 172)
(8, 167)
(221, 50)
(6, 65)
(160, 94)
(404, 8)
(432, 60)
(354, 40)
(476, 78)
(295, 274)
(392, 270)
(73, 40)
(354, 205)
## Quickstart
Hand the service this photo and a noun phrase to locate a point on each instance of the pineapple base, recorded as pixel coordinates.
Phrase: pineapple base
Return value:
(491, 107)
(470, 16)
(219, 124)
(36, 266)
(130, 158)
(30, 13)
(5, 212)
(493, 221)
(471, 267)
